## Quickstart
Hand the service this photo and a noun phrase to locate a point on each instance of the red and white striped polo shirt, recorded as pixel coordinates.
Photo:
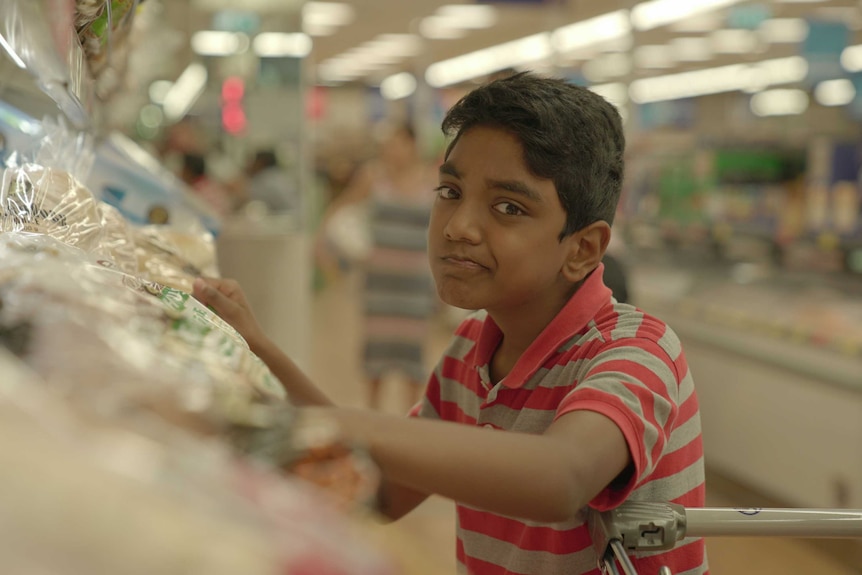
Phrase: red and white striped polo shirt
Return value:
(596, 355)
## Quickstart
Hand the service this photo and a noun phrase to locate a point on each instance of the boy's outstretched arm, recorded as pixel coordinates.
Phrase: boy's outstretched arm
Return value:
(544, 478)
(228, 300)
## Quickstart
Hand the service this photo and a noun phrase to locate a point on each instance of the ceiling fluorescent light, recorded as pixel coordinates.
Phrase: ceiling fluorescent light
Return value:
(282, 45)
(439, 28)
(720, 79)
(185, 91)
(318, 29)
(835, 92)
(655, 13)
(327, 14)
(733, 41)
(784, 30)
(610, 26)
(607, 66)
(851, 58)
(705, 22)
(394, 45)
(158, 90)
(480, 63)
(800, 1)
(779, 103)
(654, 56)
(217, 43)
(689, 49)
(471, 16)
(398, 86)
(616, 93)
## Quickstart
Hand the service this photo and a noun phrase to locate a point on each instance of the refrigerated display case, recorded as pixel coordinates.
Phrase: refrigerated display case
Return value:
(776, 357)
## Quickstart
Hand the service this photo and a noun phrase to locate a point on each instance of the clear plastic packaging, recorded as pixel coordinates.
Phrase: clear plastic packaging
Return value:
(132, 503)
(47, 201)
(173, 257)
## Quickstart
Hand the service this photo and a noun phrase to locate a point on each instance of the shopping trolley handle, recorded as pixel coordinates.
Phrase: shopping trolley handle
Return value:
(638, 525)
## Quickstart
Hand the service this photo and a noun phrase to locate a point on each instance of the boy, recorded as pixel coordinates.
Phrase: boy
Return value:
(594, 398)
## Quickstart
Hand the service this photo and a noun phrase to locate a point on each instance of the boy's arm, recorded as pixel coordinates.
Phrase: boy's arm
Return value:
(227, 299)
(395, 501)
(546, 478)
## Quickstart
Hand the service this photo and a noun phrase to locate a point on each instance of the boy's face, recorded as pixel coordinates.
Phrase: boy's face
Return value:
(493, 239)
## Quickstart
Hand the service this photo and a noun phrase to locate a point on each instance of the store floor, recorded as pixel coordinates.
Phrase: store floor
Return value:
(334, 365)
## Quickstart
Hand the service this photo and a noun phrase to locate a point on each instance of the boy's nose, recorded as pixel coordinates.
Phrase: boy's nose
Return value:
(463, 225)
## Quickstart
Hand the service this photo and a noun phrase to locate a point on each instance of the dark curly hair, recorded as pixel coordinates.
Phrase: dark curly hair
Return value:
(570, 135)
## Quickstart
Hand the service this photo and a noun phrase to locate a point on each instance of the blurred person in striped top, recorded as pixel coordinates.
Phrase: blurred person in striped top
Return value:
(552, 397)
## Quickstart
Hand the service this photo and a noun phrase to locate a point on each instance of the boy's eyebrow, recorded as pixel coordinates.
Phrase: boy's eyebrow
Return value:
(515, 186)
(449, 169)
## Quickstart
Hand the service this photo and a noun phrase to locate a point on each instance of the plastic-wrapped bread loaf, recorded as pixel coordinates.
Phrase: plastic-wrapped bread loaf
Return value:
(118, 241)
(43, 200)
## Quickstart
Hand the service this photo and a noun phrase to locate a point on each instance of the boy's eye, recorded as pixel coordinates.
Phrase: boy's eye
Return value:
(446, 192)
(509, 209)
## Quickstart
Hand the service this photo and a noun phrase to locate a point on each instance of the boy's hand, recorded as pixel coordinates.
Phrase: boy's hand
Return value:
(228, 300)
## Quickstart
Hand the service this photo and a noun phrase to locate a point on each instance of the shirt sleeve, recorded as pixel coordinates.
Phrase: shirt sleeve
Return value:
(635, 383)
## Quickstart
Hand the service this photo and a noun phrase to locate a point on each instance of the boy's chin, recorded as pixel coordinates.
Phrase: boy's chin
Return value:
(459, 301)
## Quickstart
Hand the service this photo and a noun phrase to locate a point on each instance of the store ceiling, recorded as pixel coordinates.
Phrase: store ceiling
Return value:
(373, 18)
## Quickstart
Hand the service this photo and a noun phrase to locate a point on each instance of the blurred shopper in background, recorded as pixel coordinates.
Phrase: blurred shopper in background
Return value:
(392, 196)
(194, 173)
(270, 185)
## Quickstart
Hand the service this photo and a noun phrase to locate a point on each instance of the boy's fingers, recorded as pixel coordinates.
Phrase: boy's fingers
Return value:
(208, 294)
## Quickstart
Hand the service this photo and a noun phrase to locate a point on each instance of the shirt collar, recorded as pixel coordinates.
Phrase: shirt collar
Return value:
(581, 308)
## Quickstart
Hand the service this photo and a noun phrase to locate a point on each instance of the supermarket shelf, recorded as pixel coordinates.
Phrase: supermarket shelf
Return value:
(770, 344)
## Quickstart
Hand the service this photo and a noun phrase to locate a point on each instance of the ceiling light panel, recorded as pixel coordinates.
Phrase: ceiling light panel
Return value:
(654, 56)
(398, 86)
(328, 13)
(382, 51)
(474, 16)
(705, 22)
(616, 93)
(720, 79)
(218, 43)
(607, 66)
(185, 91)
(691, 49)
(282, 45)
(835, 92)
(325, 18)
(733, 41)
(439, 28)
(783, 30)
(779, 103)
(480, 63)
(655, 13)
(851, 58)
(604, 28)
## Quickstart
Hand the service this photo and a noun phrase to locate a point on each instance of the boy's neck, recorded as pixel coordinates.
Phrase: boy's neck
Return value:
(520, 330)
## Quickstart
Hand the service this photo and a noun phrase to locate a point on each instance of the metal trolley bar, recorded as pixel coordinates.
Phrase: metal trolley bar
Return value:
(658, 526)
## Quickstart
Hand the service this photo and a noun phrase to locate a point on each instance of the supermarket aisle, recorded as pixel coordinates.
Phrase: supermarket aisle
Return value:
(334, 366)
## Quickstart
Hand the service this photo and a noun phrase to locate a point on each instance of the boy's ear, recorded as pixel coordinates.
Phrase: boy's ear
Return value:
(586, 249)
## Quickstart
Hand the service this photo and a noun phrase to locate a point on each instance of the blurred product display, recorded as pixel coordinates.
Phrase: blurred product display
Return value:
(129, 409)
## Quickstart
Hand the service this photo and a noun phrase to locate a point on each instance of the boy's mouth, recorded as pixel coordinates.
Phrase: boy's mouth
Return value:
(462, 262)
